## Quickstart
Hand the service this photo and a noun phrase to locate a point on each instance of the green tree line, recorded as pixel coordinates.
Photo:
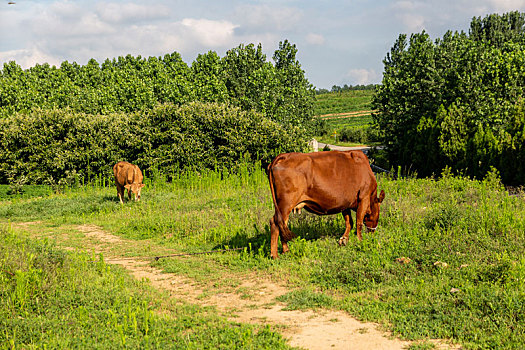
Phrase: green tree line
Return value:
(157, 111)
(346, 87)
(457, 101)
(243, 77)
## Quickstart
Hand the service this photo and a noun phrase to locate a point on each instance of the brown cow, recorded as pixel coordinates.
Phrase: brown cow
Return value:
(323, 183)
(128, 176)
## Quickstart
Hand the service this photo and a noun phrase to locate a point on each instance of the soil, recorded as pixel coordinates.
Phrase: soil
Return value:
(344, 115)
(320, 329)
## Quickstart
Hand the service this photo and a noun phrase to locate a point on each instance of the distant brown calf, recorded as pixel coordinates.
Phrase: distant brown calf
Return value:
(128, 176)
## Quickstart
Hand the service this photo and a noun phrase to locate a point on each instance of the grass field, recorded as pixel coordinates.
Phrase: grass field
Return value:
(338, 127)
(343, 114)
(448, 261)
(341, 102)
(350, 121)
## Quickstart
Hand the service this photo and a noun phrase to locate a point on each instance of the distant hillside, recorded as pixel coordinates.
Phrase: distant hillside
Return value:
(341, 102)
(344, 117)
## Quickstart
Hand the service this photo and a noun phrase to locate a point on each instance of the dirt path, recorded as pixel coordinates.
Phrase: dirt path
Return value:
(253, 301)
(345, 114)
(306, 329)
(344, 148)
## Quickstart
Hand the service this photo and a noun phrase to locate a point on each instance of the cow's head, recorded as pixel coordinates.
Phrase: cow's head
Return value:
(372, 216)
(135, 189)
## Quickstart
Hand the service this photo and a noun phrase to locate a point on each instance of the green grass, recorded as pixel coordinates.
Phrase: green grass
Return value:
(53, 299)
(350, 122)
(339, 102)
(27, 191)
(344, 126)
(465, 241)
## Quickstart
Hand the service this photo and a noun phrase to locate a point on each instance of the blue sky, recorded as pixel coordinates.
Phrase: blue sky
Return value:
(339, 42)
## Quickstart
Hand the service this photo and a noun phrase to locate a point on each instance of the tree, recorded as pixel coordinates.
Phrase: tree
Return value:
(498, 29)
(450, 102)
(207, 78)
(296, 95)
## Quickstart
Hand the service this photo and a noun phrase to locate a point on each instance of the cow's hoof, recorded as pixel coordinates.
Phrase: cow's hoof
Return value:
(343, 241)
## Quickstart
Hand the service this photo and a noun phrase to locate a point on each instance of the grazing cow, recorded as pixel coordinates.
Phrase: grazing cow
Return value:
(323, 183)
(128, 176)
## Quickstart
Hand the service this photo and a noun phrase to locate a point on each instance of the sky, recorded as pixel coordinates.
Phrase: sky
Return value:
(338, 42)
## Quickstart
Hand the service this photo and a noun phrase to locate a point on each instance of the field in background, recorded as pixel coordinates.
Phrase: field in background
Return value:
(446, 262)
(340, 121)
(342, 102)
(346, 117)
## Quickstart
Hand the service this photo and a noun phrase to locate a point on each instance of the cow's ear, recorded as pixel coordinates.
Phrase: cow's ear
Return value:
(141, 185)
(381, 196)
(127, 187)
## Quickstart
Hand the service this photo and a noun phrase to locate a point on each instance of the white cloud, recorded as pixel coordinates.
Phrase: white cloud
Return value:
(130, 12)
(315, 39)
(210, 33)
(405, 5)
(28, 57)
(362, 76)
(505, 5)
(74, 31)
(411, 14)
(64, 19)
(269, 18)
(412, 22)
(416, 15)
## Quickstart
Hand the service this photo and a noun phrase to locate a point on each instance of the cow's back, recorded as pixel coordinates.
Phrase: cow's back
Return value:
(123, 172)
(340, 168)
(345, 170)
(137, 175)
(336, 178)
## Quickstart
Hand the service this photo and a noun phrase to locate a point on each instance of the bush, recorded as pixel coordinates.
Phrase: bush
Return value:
(46, 146)
(200, 135)
(359, 135)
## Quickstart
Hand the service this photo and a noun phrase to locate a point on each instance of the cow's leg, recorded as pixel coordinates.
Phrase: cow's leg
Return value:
(274, 232)
(285, 210)
(347, 214)
(364, 204)
(120, 193)
(285, 246)
(284, 241)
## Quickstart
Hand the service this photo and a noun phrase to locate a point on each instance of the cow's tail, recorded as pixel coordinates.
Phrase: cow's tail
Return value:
(286, 234)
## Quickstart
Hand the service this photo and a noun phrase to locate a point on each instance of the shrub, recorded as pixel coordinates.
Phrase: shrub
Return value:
(49, 145)
(359, 135)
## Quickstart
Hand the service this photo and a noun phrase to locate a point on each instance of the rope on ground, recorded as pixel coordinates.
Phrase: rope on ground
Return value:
(8, 272)
(198, 253)
(156, 258)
